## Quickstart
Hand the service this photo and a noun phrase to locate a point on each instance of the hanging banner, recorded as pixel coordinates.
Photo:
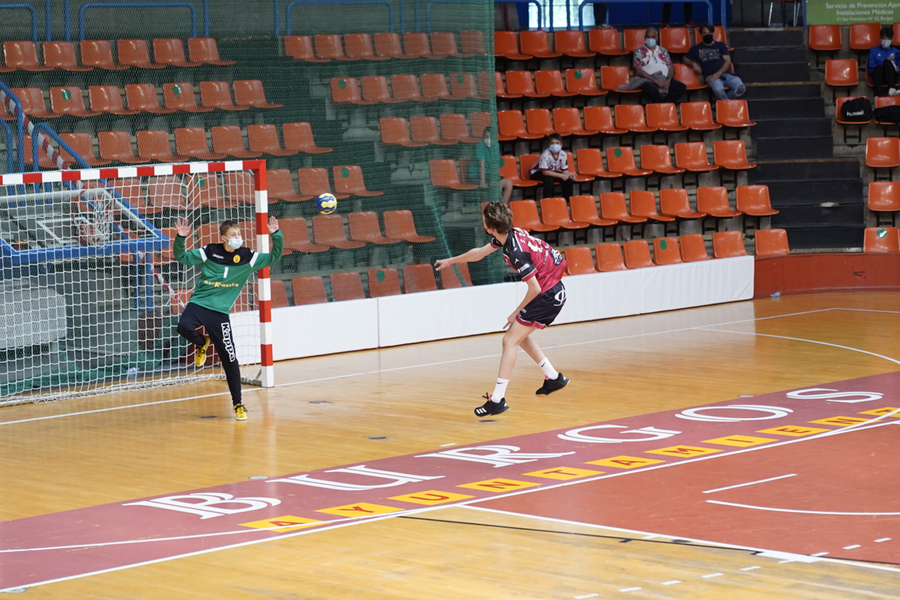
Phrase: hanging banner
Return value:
(825, 12)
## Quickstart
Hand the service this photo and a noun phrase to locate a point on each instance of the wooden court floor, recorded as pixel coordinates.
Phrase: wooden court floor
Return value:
(365, 407)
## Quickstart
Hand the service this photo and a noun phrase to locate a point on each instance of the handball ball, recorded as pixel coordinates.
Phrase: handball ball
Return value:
(326, 203)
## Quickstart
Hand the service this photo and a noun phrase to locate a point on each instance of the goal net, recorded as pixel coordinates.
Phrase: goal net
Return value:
(90, 292)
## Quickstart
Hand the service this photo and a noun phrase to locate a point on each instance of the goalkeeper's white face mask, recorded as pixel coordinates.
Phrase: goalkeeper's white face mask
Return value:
(234, 240)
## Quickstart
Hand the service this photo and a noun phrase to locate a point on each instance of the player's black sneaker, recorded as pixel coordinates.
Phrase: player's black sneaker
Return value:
(551, 385)
(491, 408)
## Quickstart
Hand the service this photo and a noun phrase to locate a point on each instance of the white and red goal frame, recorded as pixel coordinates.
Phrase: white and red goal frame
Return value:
(256, 167)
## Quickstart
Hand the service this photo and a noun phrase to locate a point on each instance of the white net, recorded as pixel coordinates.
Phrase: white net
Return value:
(90, 292)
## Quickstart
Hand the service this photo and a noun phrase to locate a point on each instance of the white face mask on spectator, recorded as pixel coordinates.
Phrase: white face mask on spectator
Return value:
(650, 43)
(555, 148)
(886, 44)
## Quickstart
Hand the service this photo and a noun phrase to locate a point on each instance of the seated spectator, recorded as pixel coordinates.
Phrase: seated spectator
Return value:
(712, 62)
(486, 161)
(653, 71)
(553, 168)
(883, 64)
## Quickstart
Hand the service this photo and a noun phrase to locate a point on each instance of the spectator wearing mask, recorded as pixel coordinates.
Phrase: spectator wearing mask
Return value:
(712, 63)
(653, 71)
(883, 64)
(553, 168)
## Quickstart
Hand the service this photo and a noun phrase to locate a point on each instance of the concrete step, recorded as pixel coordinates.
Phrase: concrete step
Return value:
(782, 90)
(793, 127)
(815, 192)
(764, 54)
(823, 235)
(786, 148)
(772, 108)
(764, 72)
(805, 170)
(766, 37)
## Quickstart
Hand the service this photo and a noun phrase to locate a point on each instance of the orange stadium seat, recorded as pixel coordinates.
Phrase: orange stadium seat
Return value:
(691, 156)
(881, 240)
(500, 88)
(731, 154)
(605, 41)
(395, 132)
(841, 72)
(754, 200)
(521, 83)
(349, 180)
(584, 210)
(22, 56)
(33, 104)
(264, 138)
(525, 216)
(180, 96)
(97, 54)
(387, 45)
(506, 45)
(418, 278)
(406, 87)
(472, 42)
(450, 280)
(43, 160)
(281, 186)
(642, 203)
(217, 94)
(329, 230)
(675, 203)
(509, 169)
(677, 40)
(526, 162)
(581, 261)
(307, 290)
(425, 129)
(346, 90)
(206, 51)
(555, 212)
(228, 139)
(637, 254)
(551, 83)
(250, 93)
(825, 38)
(714, 202)
(346, 286)
(666, 251)
(537, 44)
(863, 36)
(434, 86)
(445, 174)
(693, 247)
(155, 145)
(61, 55)
(633, 39)
(399, 224)
(883, 152)
(375, 89)
(83, 146)
(296, 235)
(539, 122)
(663, 116)
(314, 181)
(733, 113)
(698, 116)
(455, 128)
(609, 258)
(142, 97)
(600, 118)
(658, 159)
(329, 47)
(300, 47)
(108, 99)
(772, 242)
(590, 163)
(358, 46)
(613, 207)
(116, 146)
(69, 101)
(511, 126)
(416, 45)
(621, 160)
(567, 121)
(443, 44)
(884, 196)
(364, 228)
(631, 117)
(571, 43)
(611, 78)
(688, 77)
(299, 136)
(583, 82)
(135, 53)
(383, 282)
(191, 141)
(728, 244)
(170, 51)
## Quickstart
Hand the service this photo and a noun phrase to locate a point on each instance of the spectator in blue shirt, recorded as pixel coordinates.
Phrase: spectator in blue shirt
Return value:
(712, 63)
(883, 64)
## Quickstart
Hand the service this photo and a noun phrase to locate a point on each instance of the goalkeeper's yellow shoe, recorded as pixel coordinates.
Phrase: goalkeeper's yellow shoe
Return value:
(240, 413)
(200, 354)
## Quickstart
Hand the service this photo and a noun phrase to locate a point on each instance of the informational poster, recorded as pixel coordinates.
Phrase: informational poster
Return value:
(846, 12)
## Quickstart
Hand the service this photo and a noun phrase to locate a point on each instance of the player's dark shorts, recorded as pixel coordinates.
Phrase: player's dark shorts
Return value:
(543, 310)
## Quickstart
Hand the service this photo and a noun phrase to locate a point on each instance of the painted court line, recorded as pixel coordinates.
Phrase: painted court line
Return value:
(807, 512)
(731, 487)
(423, 365)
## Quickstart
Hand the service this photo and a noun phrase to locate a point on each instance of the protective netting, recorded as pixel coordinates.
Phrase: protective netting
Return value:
(382, 103)
(91, 293)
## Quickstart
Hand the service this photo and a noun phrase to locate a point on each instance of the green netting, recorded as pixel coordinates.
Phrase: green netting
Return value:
(446, 58)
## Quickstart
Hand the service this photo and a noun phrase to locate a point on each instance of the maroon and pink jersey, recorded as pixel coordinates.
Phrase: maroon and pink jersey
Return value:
(532, 257)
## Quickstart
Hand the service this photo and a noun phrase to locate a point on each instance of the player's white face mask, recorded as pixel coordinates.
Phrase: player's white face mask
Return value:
(235, 242)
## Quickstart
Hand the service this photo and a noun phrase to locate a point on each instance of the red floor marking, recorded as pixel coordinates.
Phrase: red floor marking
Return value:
(854, 472)
(64, 545)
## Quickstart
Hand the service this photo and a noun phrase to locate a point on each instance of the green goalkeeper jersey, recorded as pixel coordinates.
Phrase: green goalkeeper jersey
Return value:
(223, 274)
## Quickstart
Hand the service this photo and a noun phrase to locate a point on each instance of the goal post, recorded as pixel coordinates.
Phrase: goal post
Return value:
(90, 293)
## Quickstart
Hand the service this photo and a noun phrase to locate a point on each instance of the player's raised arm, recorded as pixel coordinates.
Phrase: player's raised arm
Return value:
(473, 255)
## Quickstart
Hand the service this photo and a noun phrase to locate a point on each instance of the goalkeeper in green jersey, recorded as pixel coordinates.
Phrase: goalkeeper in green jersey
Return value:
(225, 268)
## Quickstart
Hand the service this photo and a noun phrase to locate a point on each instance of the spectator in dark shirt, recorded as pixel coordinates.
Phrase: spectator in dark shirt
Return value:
(883, 64)
(712, 62)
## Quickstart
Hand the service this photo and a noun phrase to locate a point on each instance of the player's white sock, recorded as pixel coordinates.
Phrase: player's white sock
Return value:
(499, 390)
(547, 368)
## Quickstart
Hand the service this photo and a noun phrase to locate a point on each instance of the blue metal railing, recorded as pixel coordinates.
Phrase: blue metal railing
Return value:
(33, 12)
(290, 6)
(105, 5)
(9, 144)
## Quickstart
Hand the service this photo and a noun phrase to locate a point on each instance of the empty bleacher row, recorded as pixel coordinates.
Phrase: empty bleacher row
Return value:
(384, 46)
